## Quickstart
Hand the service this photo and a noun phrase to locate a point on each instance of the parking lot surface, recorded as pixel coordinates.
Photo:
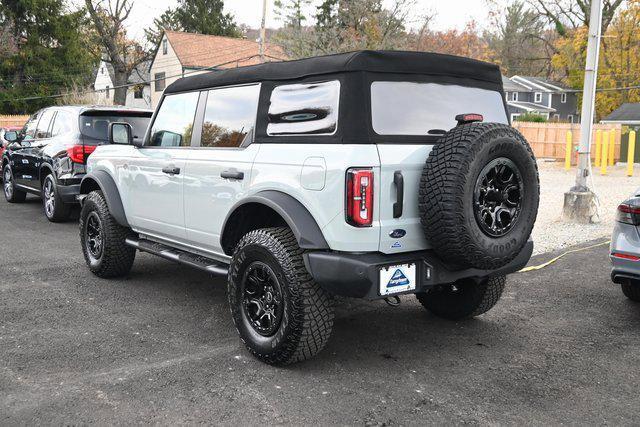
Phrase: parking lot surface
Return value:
(562, 346)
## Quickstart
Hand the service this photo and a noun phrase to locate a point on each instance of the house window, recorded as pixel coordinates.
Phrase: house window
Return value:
(514, 96)
(556, 117)
(537, 97)
(164, 47)
(570, 118)
(107, 91)
(159, 81)
(101, 70)
(137, 91)
(506, 96)
(514, 116)
(563, 98)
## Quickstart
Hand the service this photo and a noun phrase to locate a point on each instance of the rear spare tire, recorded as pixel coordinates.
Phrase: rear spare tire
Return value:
(479, 195)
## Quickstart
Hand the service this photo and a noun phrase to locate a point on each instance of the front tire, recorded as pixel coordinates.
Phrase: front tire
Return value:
(54, 208)
(11, 193)
(281, 314)
(103, 239)
(463, 299)
(631, 291)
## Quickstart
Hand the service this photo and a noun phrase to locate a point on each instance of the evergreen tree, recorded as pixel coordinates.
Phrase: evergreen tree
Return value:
(46, 53)
(206, 17)
(167, 21)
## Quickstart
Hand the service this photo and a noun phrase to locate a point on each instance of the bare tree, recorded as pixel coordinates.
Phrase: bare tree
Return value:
(124, 55)
(571, 14)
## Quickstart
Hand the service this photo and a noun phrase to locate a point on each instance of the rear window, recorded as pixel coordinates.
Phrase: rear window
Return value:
(96, 128)
(304, 109)
(407, 108)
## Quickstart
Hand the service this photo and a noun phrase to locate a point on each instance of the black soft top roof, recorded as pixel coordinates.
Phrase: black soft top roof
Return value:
(393, 62)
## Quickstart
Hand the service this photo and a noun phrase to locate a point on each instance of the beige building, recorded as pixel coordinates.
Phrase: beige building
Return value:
(181, 54)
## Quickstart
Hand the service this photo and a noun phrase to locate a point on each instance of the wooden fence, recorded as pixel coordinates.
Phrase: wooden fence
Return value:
(549, 140)
(13, 120)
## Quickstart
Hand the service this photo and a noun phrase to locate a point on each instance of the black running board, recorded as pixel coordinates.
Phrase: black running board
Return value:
(207, 264)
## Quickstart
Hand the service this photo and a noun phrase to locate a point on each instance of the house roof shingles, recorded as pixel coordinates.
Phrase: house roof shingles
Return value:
(199, 51)
(626, 113)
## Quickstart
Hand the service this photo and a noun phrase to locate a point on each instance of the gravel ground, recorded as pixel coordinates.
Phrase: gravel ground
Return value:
(159, 347)
(551, 232)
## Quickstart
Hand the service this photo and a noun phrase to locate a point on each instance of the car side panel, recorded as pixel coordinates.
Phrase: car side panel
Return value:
(314, 174)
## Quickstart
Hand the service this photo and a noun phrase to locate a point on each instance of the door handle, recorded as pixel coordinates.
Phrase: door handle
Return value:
(232, 175)
(398, 181)
(171, 170)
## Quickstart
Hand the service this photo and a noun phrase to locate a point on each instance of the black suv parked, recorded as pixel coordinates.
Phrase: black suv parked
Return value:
(48, 156)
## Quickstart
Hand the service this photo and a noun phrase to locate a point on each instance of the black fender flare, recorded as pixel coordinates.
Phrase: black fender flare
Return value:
(48, 167)
(295, 214)
(109, 190)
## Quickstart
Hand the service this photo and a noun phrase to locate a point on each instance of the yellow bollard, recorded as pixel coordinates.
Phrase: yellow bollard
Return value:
(598, 144)
(612, 146)
(568, 152)
(603, 158)
(631, 152)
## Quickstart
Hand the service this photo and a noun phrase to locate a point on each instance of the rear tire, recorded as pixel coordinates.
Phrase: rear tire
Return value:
(463, 299)
(631, 291)
(103, 239)
(54, 208)
(281, 314)
(11, 193)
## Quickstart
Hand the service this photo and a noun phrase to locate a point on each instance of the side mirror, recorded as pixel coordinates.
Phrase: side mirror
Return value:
(11, 136)
(120, 133)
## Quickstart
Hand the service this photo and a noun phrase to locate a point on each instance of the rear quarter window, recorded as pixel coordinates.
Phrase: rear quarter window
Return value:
(304, 109)
(408, 108)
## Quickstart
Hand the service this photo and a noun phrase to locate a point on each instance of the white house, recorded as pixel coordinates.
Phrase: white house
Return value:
(138, 93)
(180, 54)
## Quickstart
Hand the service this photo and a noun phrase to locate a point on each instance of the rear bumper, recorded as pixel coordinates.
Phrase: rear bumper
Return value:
(625, 240)
(69, 193)
(357, 275)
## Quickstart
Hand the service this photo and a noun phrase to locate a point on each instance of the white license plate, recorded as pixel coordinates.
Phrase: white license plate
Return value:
(397, 278)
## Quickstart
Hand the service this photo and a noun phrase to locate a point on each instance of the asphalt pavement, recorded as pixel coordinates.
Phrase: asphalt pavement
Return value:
(562, 346)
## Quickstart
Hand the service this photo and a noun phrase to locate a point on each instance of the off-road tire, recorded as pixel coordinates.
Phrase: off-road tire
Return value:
(58, 211)
(446, 195)
(631, 291)
(116, 258)
(469, 300)
(308, 313)
(15, 196)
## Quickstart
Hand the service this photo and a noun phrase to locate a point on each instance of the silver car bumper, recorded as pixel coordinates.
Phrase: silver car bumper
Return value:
(625, 241)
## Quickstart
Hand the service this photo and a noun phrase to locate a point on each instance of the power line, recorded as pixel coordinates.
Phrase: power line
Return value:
(211, 68)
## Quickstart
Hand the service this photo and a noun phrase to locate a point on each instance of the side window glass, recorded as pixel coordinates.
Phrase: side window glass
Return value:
(63, 123)
(173, 125)
(304, 109)
(42, 130)
(29, 130)
(229, 116)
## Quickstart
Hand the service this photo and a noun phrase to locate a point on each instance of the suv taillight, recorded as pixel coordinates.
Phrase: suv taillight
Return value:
(79, 153)
(359, 197)
(628, 214)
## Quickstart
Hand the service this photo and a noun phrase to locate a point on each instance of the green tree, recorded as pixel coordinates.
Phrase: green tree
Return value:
(46, 55)
(167, 21)
(206, 17)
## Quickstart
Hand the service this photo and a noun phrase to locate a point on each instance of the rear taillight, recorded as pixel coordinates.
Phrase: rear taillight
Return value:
(79, 153)
(625, 256)
(628, 214)
(359, 197)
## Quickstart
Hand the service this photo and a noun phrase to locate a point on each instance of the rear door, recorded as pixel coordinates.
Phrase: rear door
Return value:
(18, 151)
(402, 111)
(218, 170)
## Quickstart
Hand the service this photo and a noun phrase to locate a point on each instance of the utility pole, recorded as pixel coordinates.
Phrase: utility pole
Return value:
(579, 201)
(263, 32)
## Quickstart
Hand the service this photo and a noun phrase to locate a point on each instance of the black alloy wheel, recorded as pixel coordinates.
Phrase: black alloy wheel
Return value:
(498, 196)
(94, 236)
(262, 301)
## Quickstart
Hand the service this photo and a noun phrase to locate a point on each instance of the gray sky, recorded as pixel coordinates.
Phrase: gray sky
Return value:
(449, 13)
